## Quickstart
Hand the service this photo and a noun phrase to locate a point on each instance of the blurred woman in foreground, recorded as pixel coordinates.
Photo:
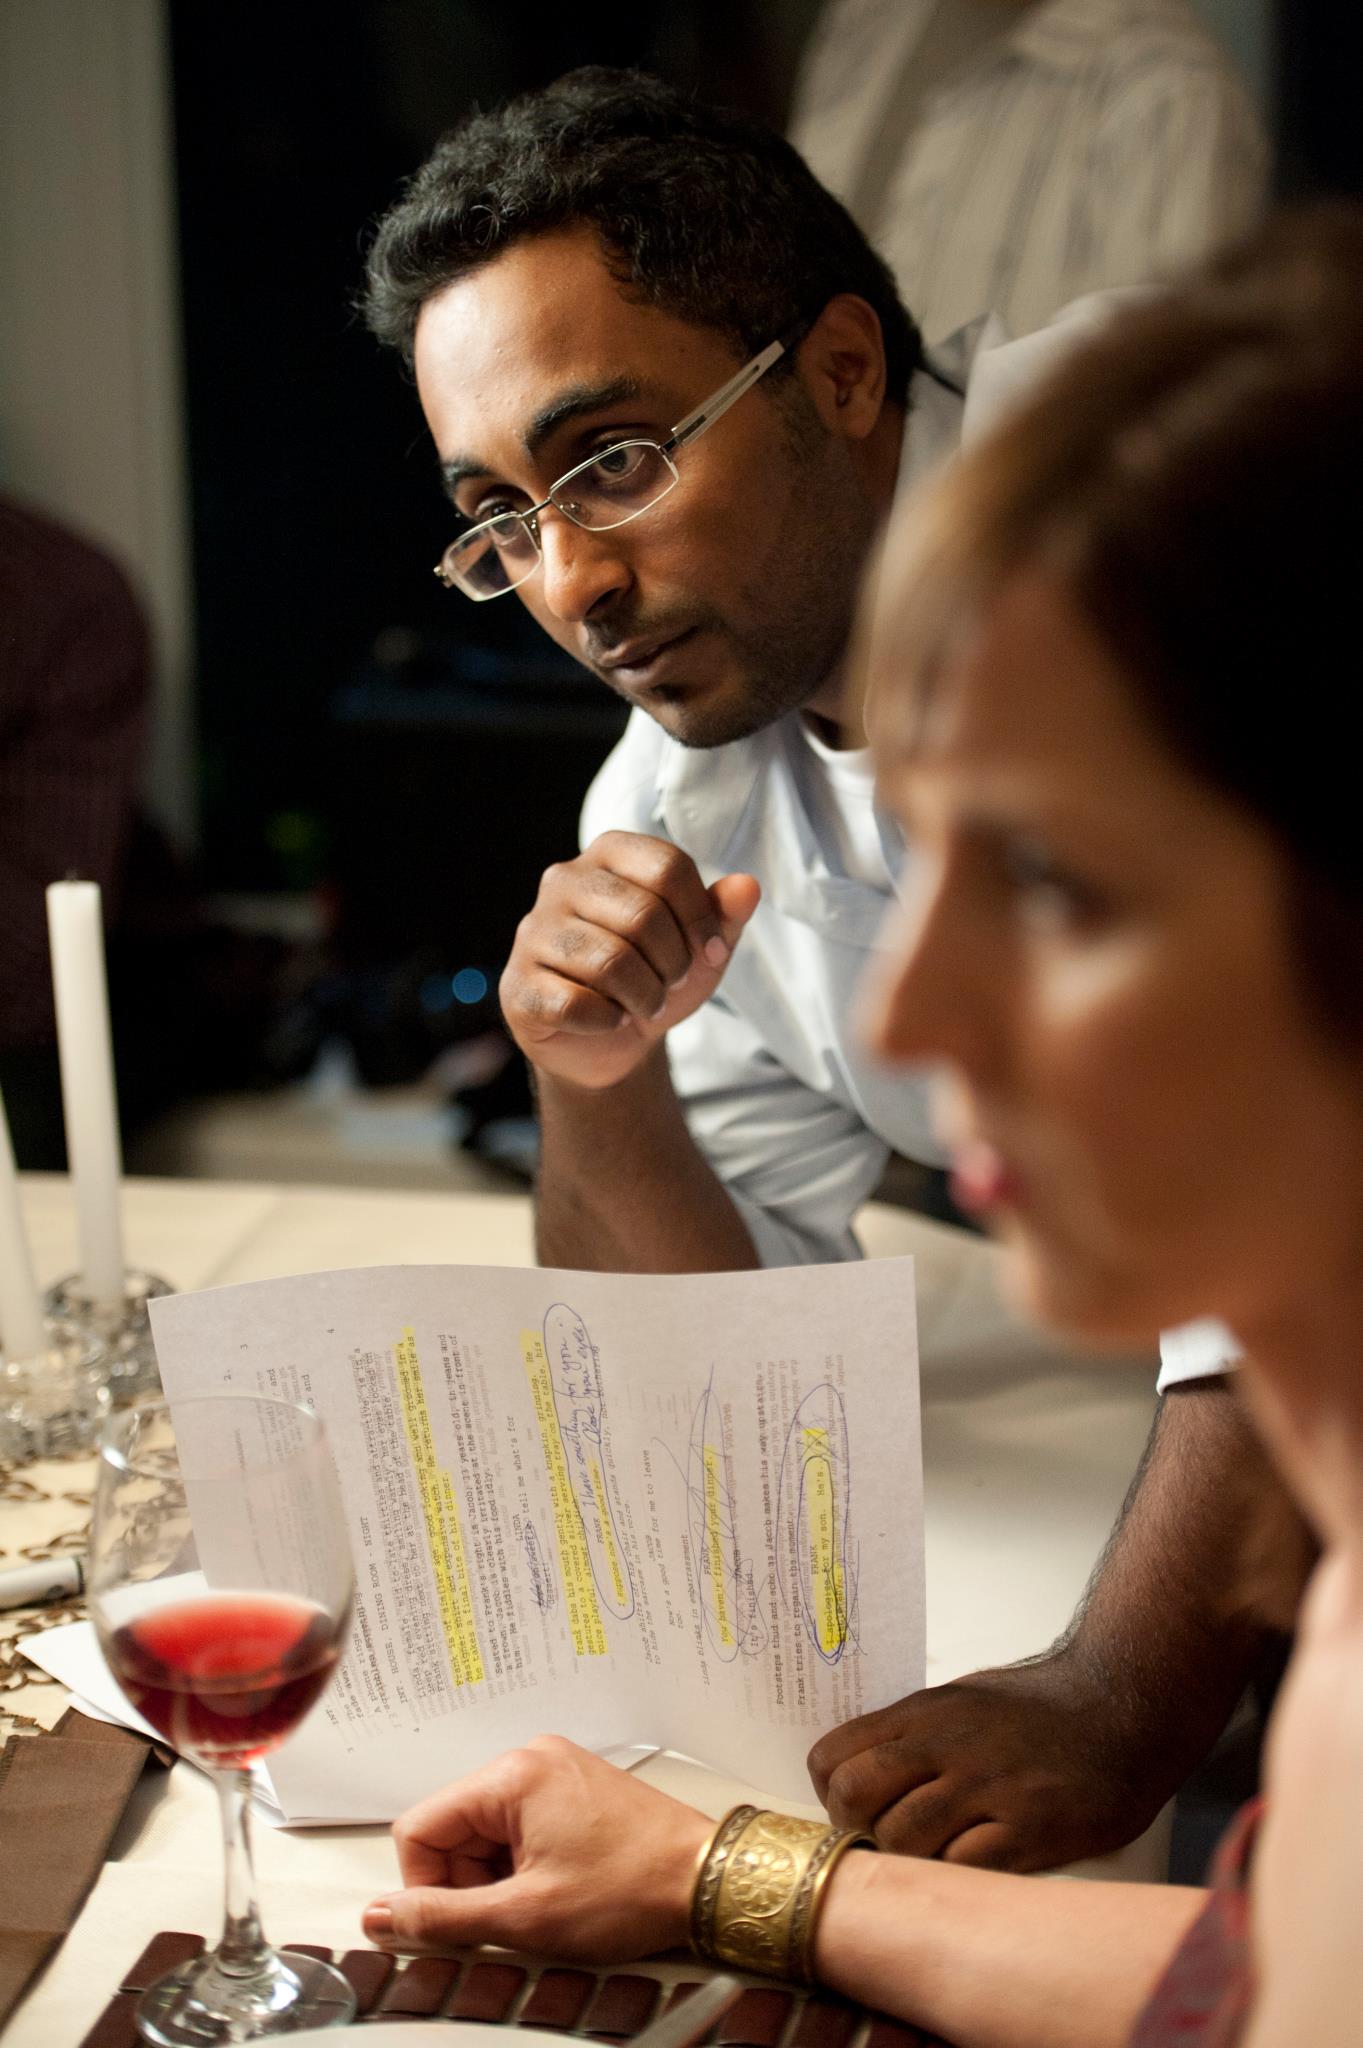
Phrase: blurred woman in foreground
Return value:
(1114, 699)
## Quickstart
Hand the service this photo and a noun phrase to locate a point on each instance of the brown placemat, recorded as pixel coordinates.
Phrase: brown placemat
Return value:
(610, 2007)
(61, 1797)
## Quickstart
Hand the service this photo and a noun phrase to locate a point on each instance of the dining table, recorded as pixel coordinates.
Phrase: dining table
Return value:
(1028, 1450)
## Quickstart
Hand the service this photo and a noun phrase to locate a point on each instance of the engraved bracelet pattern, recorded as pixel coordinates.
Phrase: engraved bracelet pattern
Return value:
(760, 1888)
(709, 1870)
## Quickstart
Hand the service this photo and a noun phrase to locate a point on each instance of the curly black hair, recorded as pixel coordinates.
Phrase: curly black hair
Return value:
(700, 211)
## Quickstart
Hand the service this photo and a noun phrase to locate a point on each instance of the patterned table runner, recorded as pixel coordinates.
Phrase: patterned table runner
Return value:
(610, 2007)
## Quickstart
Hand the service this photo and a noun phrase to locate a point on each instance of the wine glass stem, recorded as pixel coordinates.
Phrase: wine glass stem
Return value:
(242, 1950)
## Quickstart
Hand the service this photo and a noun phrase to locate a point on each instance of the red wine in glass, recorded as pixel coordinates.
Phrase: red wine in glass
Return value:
(220, 1585)
(226, 1676)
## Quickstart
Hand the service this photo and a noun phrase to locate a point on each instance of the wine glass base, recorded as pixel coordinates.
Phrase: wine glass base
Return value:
(200, 2003)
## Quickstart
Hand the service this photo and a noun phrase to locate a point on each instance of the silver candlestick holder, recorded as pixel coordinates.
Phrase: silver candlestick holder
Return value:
(56, 1403)
(122, 1328)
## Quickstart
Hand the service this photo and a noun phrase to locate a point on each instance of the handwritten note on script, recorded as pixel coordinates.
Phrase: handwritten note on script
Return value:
(683, 1511)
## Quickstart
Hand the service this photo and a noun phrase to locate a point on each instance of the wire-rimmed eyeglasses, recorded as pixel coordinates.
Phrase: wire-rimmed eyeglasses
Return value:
(607, 490)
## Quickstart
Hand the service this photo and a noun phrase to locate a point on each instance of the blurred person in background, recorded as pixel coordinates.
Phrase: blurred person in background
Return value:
(584, 280)
(1010, 156)
(75, 702)
(1106, 705)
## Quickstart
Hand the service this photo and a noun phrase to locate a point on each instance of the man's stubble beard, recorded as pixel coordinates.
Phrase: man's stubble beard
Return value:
(815, 576)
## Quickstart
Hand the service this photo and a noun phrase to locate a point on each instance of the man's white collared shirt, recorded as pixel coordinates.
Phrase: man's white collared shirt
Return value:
(794, 1115)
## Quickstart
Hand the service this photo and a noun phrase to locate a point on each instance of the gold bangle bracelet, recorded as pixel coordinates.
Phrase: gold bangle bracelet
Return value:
(710, 1866)
(759, 1890)
(836, 1845)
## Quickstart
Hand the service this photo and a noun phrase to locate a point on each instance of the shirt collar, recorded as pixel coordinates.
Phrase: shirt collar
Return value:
(703, 793)
(710, 802)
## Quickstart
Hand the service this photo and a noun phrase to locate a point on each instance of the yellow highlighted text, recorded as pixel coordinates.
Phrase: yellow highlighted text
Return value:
(618, 1586)
(584, 1613)
(441, 1512)
(827, 1576)
(714, 1547)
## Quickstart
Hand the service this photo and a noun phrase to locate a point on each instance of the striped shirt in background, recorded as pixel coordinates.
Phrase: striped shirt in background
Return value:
(1011, 158)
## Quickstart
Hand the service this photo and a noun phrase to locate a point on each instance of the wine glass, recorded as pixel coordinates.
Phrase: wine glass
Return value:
(220, 1585)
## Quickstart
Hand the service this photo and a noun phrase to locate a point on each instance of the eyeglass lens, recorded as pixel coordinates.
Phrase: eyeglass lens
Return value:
(497, 556)
(601, 493)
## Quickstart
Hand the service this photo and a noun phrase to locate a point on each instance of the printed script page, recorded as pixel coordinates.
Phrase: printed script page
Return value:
(683, 1511)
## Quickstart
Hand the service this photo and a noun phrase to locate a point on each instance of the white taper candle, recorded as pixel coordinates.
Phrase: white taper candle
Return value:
(76, 930)
(22, 1333)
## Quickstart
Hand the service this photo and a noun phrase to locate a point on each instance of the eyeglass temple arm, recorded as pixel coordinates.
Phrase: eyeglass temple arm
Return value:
(727, 395)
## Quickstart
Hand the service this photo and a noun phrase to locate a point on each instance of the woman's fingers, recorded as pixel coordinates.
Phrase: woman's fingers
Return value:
(428, 1919)
(462, 1834)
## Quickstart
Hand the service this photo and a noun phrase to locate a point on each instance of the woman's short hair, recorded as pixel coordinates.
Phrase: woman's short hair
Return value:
(1193, 476)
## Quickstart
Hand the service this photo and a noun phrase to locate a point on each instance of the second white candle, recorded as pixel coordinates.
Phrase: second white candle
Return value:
(76, 929)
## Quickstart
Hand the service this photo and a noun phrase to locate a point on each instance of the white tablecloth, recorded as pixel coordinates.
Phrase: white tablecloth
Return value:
(1027, 1454)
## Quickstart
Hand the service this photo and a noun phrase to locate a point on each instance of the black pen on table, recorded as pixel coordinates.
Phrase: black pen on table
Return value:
(32, 1585)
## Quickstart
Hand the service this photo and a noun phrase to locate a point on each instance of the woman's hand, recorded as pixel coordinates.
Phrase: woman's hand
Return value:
(550, 1849)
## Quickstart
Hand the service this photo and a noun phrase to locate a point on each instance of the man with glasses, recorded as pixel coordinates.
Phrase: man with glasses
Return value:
(673, 393)
(605, 491)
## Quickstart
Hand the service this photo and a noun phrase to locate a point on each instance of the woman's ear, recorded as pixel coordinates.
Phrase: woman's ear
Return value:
(842, 362)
